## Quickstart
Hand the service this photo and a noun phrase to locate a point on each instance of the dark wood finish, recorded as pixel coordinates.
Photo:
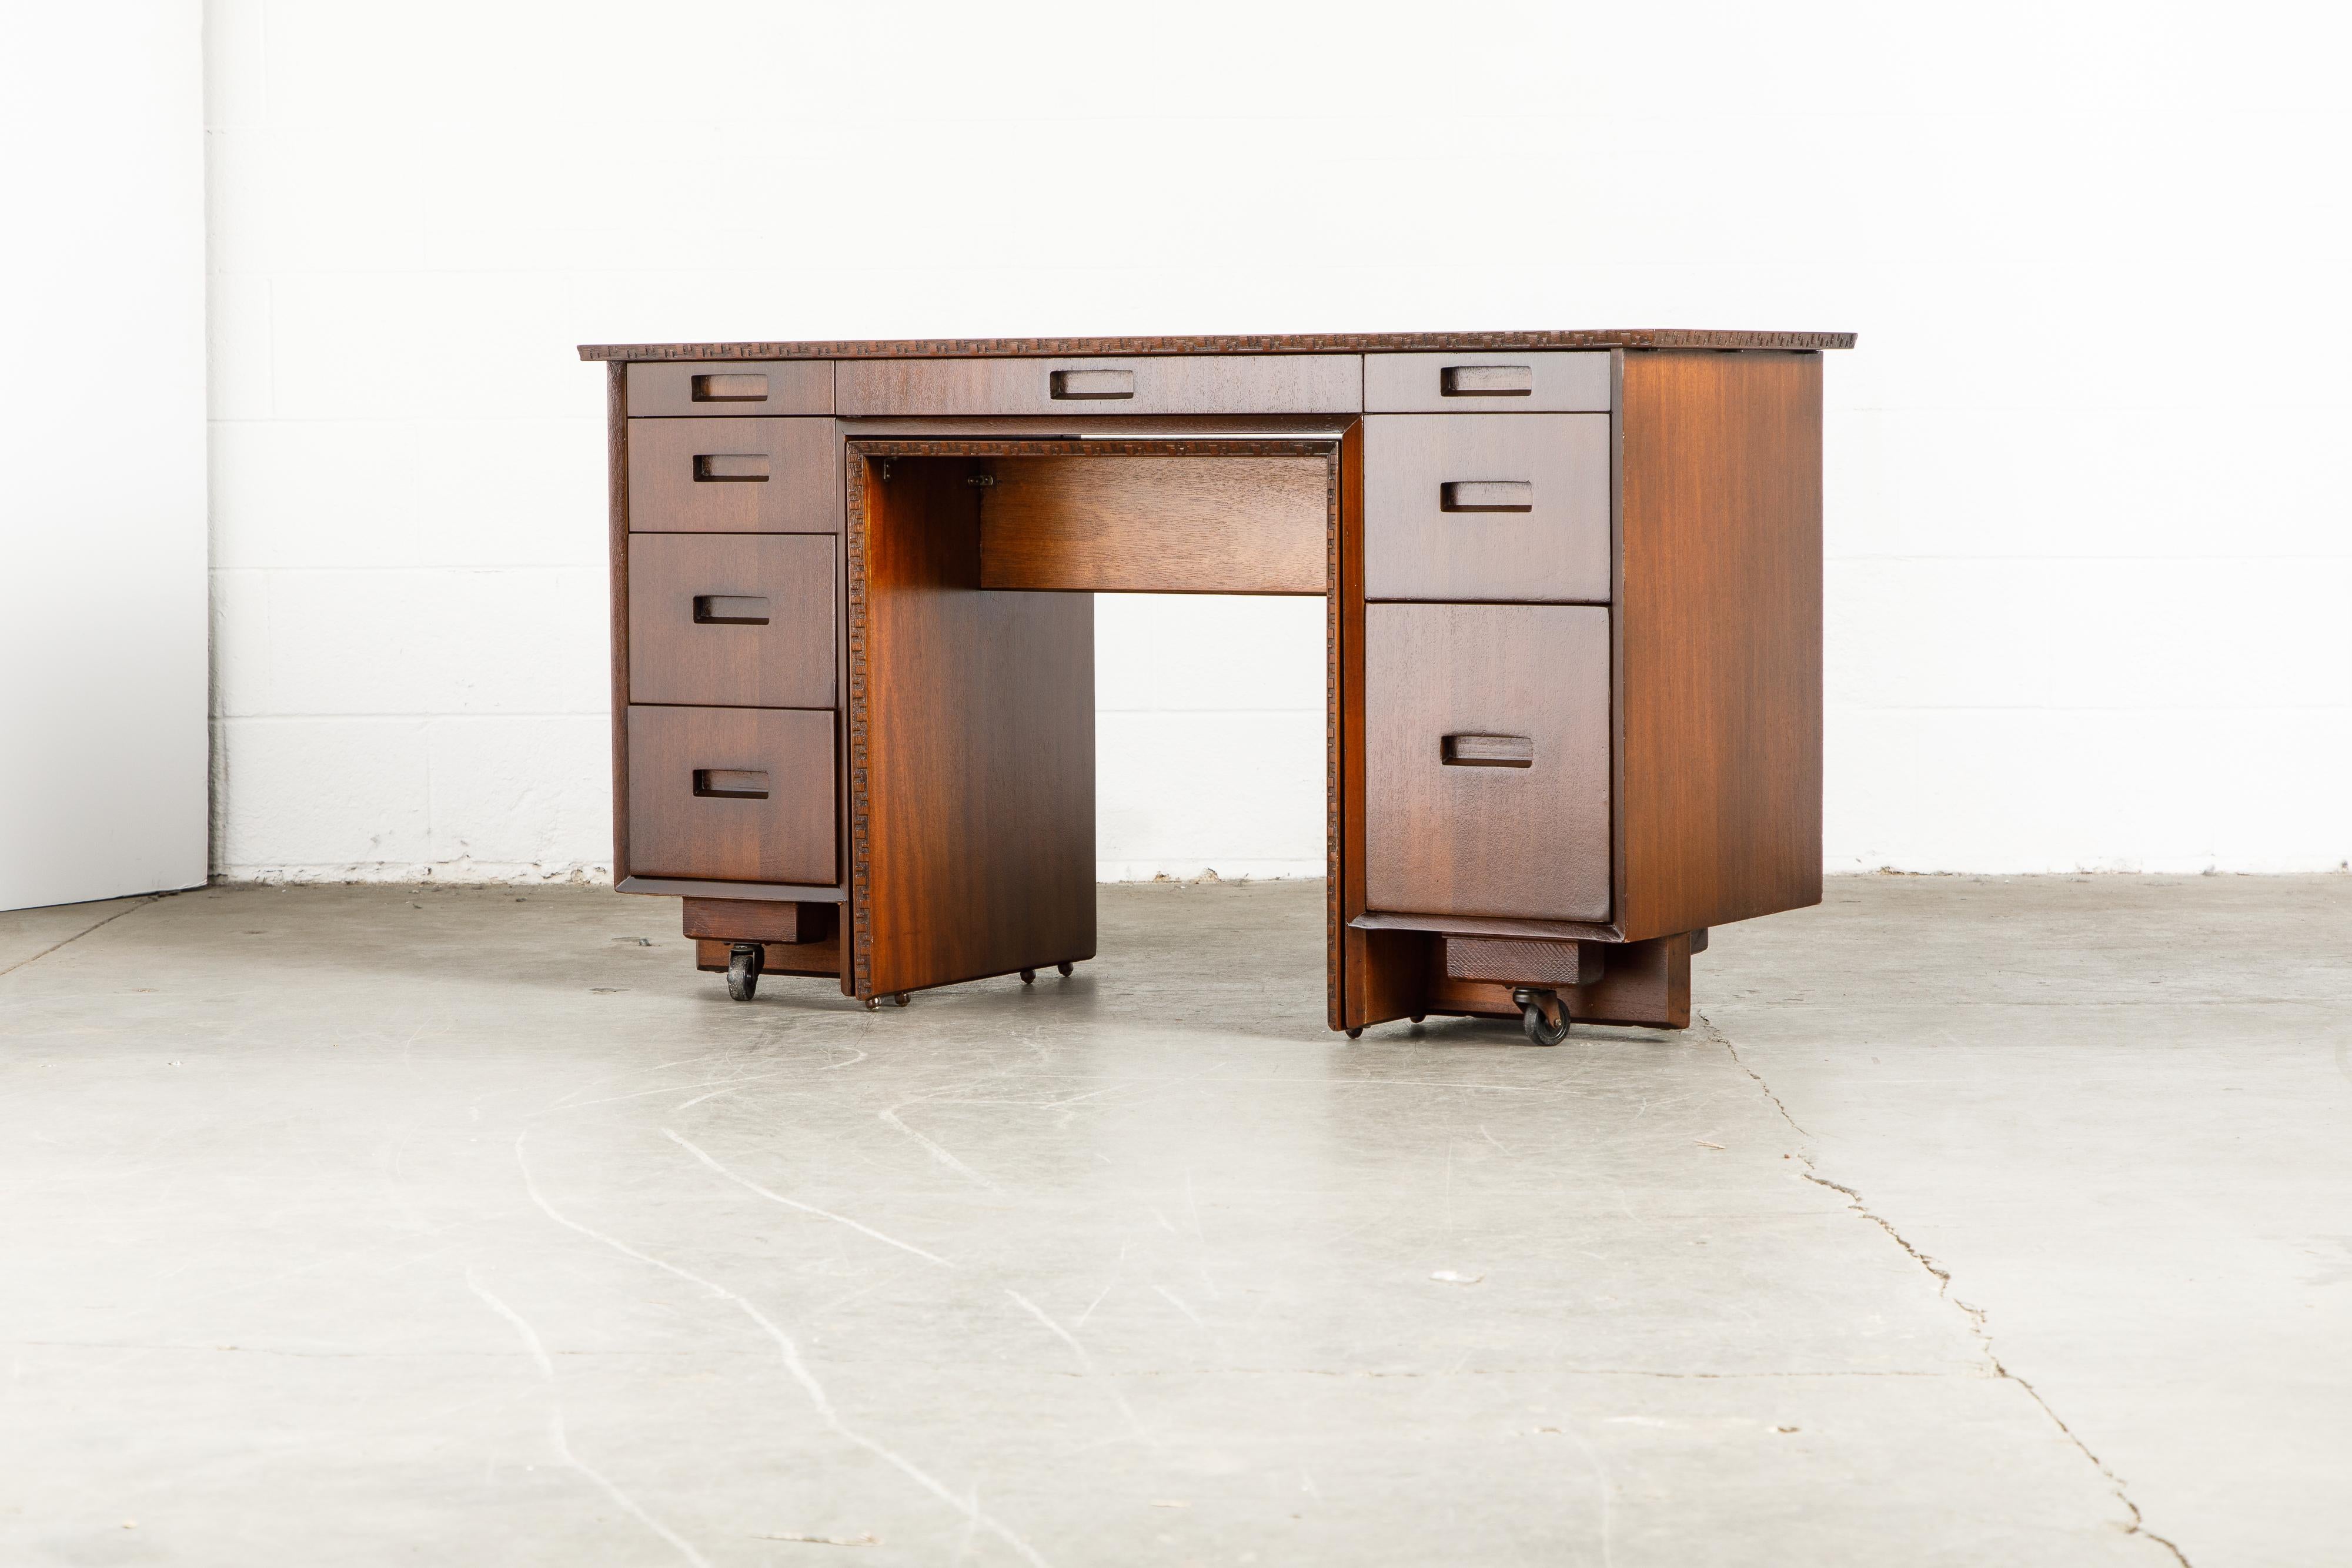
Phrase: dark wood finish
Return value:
(681, 825)
(732, 619)
(1521, 962)
(734, 390)
(1720, 639)
(1449, 840)
(971, 730)
(1548, 543)
(820, 959)
(695, 887)
(1487, 383)
(1297, 384)
(1157, 525)
(759, 920)
(678, 481)
(616, 548)
(1291, 343)
(1490, 925)
(1645, 984)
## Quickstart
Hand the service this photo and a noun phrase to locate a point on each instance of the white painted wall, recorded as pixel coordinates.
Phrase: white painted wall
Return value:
(102, 670)
(2088, 516)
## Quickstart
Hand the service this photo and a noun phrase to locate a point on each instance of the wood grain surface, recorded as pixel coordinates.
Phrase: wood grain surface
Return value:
(1270, 383)
(1173, 524)
(1441, 839)
(971, 726)
(1422, 543)
(1278, 343)
(674, 831)
(735, 391)
(674, 485)
(679, 659)
(1720, 639)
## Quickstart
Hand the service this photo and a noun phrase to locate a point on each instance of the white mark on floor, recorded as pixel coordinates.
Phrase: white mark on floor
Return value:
(748, 1184)
(1178, 1302)
(563, 1443)
(791, 1354)
(1085, 1362)
(936, 1151)
(1117, 1269)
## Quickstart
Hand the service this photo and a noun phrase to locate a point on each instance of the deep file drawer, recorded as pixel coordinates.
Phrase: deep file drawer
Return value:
(1503, 507)
(1500, 382)
(731, 388)
(732, 620)
(733, 475)
(1486, 760)
(731, 795)
(1223, 383)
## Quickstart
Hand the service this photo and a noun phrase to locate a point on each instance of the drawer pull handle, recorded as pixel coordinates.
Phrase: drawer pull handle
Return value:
(749, 468)
(730, 784)
(1486, 381)
(730, 610)
(1083, 384)
(1489, 751)
(738, 387)
(1487, 495)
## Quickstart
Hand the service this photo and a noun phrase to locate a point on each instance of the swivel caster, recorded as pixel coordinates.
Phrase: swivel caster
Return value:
(743, 964)
(869, 1003)
(902, 999)
(1539, 1026)
(1417, 1018)
(1028, 976)
(1066, 969)
(1355, 1034)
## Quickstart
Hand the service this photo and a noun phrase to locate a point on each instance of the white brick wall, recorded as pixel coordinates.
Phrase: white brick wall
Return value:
(2090, 585)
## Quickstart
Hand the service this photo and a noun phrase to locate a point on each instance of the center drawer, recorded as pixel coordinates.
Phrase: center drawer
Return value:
(1171, 384)
(1486, 760)
(731, 795)
(732, 620)
(1498, 507)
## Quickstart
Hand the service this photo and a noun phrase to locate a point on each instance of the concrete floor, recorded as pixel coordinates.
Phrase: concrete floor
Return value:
(1979, 1222)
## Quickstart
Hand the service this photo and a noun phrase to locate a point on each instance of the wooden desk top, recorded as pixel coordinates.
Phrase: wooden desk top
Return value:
(1301, 343)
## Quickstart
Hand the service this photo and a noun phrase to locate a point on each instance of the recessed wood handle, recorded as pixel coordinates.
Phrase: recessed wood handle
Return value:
(1079, 385)
(730, 784)
(1486, 381)
(719, 467)
(735, 387)
(1487, 495)
(1487, 751)
(730, 610)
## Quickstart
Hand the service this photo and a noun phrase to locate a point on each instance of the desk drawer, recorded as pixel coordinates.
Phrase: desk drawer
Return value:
(731, 795)
(1486, 760)
(736, 389)
(744, 621)
(1205, 384)
(1503, 382)
(1494, 507)
(733, 476)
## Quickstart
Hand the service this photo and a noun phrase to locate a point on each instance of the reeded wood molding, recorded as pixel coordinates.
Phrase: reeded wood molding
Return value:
(854, 526)
(1296, 343)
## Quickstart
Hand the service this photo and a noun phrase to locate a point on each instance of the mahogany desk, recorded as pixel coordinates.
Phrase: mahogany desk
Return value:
(1575, 682)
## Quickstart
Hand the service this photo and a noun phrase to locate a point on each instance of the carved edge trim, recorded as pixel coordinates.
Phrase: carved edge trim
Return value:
(1334, 935)
(1295, 343)
(861, 904)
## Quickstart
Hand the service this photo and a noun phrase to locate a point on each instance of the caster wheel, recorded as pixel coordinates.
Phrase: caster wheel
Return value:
(1028, 976)
(902, 999)
(869, 1003)
(1417, 1018)
(1541, 1030)
(743, 963)
(1355, 1034)
(1066, 969)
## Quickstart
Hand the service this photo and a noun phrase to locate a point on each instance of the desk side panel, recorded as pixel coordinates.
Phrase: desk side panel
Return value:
(972, 746)
(1721, 638)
